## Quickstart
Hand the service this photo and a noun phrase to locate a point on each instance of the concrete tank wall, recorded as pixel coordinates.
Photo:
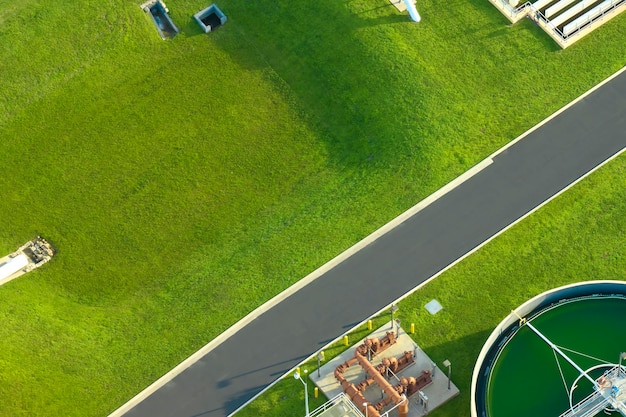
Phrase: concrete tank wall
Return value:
(509, 326)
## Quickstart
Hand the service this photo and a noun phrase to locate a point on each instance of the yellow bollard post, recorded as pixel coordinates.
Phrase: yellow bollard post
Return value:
(316, 391)
(298, 370)
(412, 328)
(345, 340)
(369, 325)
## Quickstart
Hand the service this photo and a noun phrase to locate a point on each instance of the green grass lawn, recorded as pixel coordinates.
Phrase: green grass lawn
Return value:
(185, 182)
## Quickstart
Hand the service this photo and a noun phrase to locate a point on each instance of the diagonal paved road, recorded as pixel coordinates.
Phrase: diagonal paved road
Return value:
(520, 179)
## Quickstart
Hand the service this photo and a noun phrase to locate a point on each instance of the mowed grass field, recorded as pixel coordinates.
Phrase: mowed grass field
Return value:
(185, 182)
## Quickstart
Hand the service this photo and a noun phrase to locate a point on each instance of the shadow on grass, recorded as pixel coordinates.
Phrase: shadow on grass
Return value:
(354, 94)
(191, 28)
(462, 354)
(542, 39)
(383, 20)
(504, 30)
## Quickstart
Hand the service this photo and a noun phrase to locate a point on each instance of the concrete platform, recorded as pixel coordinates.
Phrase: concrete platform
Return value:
(437, 391)
(399, 4)
(27, 257)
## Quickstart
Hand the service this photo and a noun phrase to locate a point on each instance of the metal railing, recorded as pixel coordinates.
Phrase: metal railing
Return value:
(386, 414)
(514, 12)
(588, 407)
(565, 34)
(613, 4)
(597, 401)
(339, 398)
(563, 31)
(343, 398)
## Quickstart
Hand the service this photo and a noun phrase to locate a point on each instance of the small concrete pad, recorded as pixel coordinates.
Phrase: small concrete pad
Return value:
(433, 307)
(437, 391)
(399, 4)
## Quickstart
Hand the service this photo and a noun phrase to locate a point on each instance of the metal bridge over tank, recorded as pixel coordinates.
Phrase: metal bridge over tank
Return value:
(608, 396)
(609, 390)
(566, 21)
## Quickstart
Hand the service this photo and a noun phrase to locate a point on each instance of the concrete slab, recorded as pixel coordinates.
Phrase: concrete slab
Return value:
(399, 4)
(27, 257)
(437, 392)
(433, 307)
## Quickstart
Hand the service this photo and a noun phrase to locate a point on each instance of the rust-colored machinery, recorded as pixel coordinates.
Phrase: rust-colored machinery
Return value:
(412, 385)
(362, 386)
(385, 386)
(362, 354)
(374, 347)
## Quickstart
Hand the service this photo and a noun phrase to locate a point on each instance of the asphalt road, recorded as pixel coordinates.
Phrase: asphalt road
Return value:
(521, 178)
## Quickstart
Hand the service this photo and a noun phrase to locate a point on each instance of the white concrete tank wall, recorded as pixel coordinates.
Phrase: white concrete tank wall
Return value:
(586, 287)
(12, 266)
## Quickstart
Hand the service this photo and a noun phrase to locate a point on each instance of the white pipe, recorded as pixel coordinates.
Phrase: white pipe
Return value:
(410, 7)
(13, 265)
(560, 352)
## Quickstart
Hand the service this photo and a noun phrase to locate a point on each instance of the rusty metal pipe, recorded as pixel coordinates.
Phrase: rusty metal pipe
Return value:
(382, 383)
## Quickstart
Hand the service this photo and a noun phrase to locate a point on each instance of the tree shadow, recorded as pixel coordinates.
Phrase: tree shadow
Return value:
(352, 97)
(190, 28)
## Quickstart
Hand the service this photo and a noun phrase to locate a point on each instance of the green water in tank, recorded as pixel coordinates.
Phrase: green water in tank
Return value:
(525, 379)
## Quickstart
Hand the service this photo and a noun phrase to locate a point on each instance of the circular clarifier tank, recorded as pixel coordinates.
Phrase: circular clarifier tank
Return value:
(543, 359)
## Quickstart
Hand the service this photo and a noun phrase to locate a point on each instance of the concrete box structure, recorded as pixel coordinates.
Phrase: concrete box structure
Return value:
(210, 18)
(159, 13)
